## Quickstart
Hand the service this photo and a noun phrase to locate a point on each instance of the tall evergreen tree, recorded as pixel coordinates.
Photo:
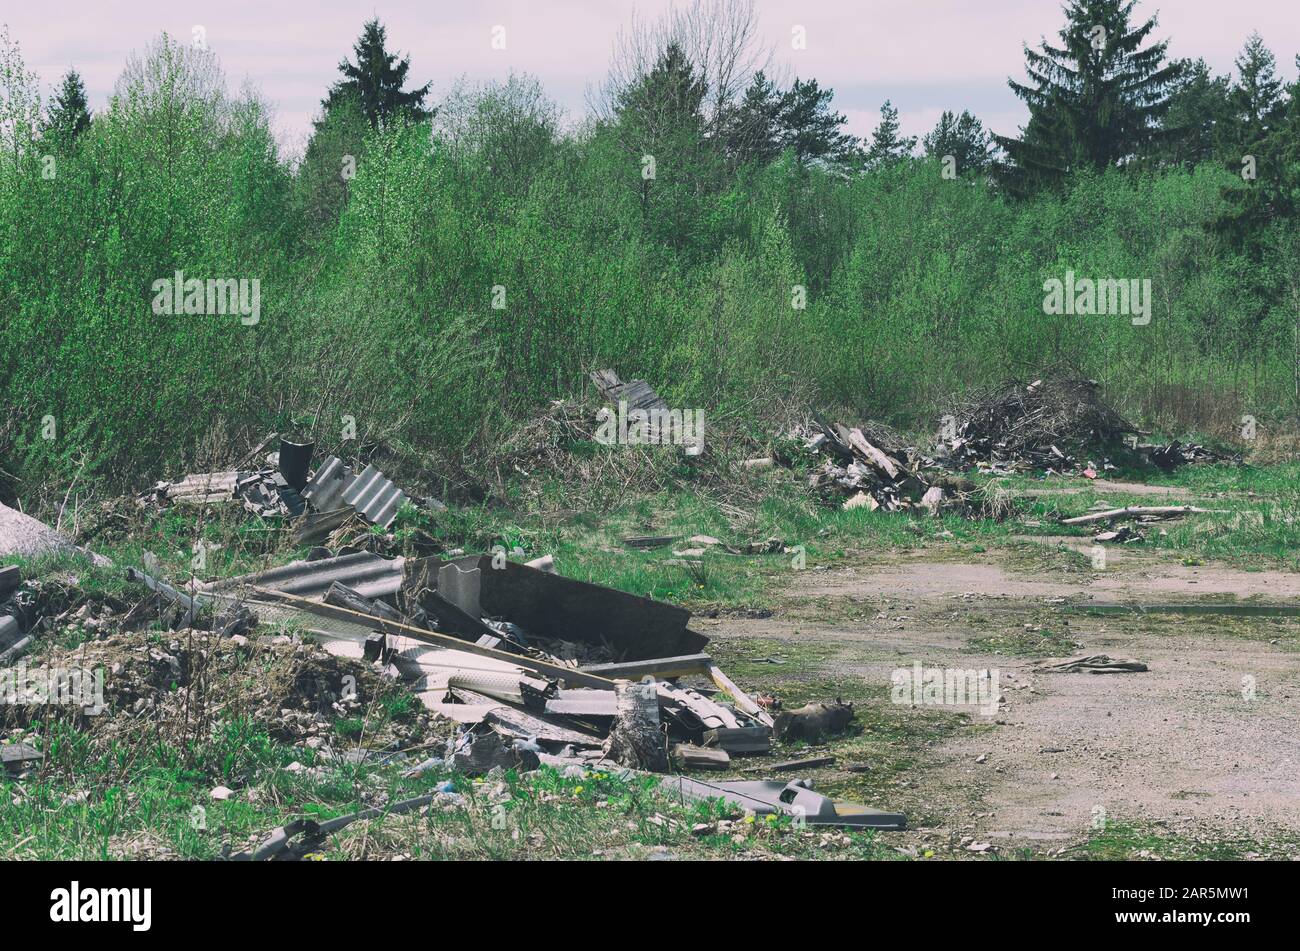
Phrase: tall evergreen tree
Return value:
(810, 128)
(377, 80)
(1095, 101)
(753, 126)
(666, 101)
(887, 145)
(69, 114)
(1266, 152)
(964, 138)
(1200, 116)
(1257, 94)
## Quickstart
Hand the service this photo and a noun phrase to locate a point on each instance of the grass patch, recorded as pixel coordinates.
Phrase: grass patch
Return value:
(1127, 841)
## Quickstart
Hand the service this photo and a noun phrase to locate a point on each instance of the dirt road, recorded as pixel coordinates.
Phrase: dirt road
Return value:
(1206, 743)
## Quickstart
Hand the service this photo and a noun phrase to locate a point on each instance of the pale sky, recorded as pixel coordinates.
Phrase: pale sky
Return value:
(925, 55)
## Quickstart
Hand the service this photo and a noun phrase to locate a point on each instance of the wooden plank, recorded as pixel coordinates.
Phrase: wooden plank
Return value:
(811, 762)
(742, 700)
(1159, 511)
(648, 541)
(571, 675)
(660, 668)
(878, 459)
(689, 756)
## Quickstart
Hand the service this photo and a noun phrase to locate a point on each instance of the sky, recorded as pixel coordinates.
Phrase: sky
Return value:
(923, 55)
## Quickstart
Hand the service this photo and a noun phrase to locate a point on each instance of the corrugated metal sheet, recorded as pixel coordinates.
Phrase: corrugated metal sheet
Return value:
(325, 490)
(366, 573)
(375, 498)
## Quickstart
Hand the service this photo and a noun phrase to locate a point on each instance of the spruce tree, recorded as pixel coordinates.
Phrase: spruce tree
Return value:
(377, 80)
(1095, 101)
(69, 114)
(1256, 96)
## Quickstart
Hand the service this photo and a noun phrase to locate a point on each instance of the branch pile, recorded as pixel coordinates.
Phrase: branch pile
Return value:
(1052, 425)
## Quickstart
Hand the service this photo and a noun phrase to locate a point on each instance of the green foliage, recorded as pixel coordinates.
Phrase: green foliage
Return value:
(376, 80)
(69, 114)
(478, 266)
(964, 138)
(887, 144)
(1095, 100)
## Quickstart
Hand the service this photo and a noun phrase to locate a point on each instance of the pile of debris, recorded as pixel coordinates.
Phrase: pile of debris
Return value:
(530, 663)
(869, 467)
(27, 537)
(317, 503)
(1174, 454)
(1049, 425)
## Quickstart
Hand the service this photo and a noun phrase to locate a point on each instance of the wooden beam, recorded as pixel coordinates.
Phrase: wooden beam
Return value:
(745, 739)
(1160, 511)
(661, 668)
(743, 702)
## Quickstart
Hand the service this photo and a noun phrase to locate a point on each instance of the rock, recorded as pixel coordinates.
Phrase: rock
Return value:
(27, 537)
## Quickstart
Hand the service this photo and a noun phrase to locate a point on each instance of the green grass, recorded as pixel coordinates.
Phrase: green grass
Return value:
(1128, 841)
(97, 800)
(115, 803)
(1254, 522)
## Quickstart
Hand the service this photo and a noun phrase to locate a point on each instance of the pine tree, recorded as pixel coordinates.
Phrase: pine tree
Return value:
(1095, 101)
(811, 128)
(377, 79)
(887, 146)
(69, 114)
(1256, 97)
(753, 127)
(1200, 119)
(964, 138)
